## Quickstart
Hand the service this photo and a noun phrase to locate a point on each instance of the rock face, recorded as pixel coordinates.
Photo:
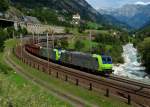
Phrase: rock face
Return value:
(135, 15)
(64, 6)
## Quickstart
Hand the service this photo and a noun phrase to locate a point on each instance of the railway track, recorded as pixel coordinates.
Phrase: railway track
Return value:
(127, 90)
(71, 99)
(133, 82)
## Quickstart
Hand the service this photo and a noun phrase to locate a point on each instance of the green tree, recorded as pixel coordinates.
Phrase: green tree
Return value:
(64, 43)
(4, 5)
(3, 36)
(79, 45)
(22, 31)
(81, 28)
(67, 30)
(10, 31)
(144, 49)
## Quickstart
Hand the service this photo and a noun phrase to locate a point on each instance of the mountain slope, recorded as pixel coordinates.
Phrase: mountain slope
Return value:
(114, 22)
(68, 8)
(64, 6)
(147, 24)
(134, 15)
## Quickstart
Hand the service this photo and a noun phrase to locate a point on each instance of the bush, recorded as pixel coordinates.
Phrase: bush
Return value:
(99, 49)
(81, 28)
(79, 45)
(4, 5)
(64, 43)
(3, 36)
(67, 30)
(144, 49)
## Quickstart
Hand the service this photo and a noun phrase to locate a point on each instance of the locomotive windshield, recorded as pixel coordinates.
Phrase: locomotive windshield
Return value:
(107, 60)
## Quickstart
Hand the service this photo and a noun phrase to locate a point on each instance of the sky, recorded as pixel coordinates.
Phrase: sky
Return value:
(115, 3)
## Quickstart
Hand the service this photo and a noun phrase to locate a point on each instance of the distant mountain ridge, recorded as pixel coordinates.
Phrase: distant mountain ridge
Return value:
(135, 15)
(71, 7)
(65, 6)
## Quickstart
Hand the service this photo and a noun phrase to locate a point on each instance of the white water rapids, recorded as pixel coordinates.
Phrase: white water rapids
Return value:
(132, 67)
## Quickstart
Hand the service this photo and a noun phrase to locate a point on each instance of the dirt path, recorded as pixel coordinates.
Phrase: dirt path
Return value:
(75, 101)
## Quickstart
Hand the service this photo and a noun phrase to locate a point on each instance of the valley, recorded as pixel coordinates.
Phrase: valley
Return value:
(118, 32)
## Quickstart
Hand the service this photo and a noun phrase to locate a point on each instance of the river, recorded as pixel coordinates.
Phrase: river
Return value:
(132, 67)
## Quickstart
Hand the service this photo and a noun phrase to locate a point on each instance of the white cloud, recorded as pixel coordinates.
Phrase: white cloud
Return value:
(142, 3)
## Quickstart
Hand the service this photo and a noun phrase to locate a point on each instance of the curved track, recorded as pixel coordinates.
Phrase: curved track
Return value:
(75, 101)
(129, 81)
(126, 90)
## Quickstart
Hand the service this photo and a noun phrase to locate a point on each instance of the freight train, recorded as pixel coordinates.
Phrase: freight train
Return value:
(92, 63)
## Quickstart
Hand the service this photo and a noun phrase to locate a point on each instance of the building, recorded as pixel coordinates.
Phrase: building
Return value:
(62, 19)
(34, 26)
(40, 28)
(76, 19)
(30, 19)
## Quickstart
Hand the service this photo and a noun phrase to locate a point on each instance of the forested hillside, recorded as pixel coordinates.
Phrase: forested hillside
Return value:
(4, 5)
(49, 11)
(143, 43)
(63, 7)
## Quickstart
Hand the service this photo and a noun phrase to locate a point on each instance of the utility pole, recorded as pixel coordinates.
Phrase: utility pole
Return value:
(33, 38)
(38, 34)
(90, 38)
(53, 40)
(48, 56)
(38, 38)
(13, 35)
(47, 43)
(21, 43)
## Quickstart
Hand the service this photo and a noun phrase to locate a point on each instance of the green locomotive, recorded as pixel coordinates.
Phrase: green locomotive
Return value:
(94, 63)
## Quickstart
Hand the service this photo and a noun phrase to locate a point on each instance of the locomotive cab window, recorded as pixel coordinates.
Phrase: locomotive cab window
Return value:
(109, 60)
(104, 59)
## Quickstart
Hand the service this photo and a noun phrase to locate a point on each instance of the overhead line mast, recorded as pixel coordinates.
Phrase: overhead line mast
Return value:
(47, 50)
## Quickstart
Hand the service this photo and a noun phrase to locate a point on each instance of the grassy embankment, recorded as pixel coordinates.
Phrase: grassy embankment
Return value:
(91, 97)
(17, 92)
